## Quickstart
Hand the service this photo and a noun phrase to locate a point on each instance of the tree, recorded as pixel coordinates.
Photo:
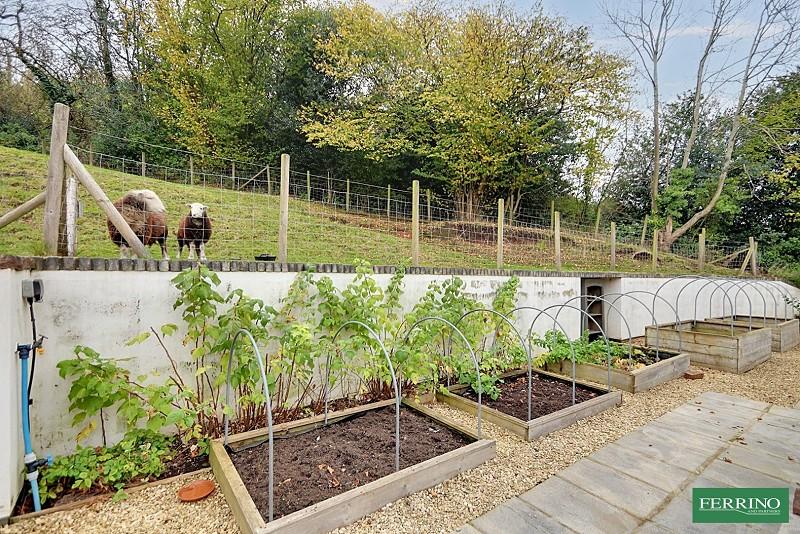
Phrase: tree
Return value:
(647, 30)
(774, 43)
(489, 101)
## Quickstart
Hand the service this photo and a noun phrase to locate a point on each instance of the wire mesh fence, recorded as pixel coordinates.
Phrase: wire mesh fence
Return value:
(335, 220)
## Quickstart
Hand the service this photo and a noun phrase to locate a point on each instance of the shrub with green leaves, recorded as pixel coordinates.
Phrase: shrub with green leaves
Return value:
(139, 457)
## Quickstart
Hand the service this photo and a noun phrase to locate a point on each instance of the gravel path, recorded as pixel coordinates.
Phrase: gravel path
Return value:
(518, 467)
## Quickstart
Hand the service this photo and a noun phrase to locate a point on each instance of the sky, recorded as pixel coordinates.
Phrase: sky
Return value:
(678, 66)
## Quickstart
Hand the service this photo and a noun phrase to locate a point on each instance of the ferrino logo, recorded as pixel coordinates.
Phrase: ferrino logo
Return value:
(740, 505)
(751, 506)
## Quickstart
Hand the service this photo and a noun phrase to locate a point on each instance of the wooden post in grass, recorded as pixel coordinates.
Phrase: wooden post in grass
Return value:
(233, 176)
(655, 249)
(347, 196)
(414, 222)
(72, 214)
(308, 186)
(191, 170)
(753, 256)
(613, 245)
(501, 211)
(701, 250)
(144, 165)
(597, 223)
(283, 228)
(552, 214)
(428, 194)
(91, 156)
(103, 201)
(55, 242)
(389, 201)
(557, 238)
(269, 182)
(644, 232)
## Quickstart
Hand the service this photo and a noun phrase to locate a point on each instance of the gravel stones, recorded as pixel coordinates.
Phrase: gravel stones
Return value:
(518, 467)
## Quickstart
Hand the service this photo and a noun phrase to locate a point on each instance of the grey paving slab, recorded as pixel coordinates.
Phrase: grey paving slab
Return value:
(634, 496)
(725, 400)
(778, 467)
(643, 482)
(577, 509)
(642, 467)
(740, 477)
(788, 423)
(783, 411)
(653, 528)
(515, 516)
(469, 529)
(705, 425)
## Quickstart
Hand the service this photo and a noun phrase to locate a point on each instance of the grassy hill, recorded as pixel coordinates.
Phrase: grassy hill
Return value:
(246, 224)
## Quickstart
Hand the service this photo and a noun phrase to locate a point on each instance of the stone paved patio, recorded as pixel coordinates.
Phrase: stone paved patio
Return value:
(643, 482)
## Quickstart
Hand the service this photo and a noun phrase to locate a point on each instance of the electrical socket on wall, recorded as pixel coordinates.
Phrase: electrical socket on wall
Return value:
(33, 288)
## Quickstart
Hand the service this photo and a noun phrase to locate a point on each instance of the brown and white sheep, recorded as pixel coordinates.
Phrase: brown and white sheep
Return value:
(194, 231)
(147, 217)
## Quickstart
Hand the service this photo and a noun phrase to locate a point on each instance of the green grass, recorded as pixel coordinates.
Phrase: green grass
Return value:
(246, 224)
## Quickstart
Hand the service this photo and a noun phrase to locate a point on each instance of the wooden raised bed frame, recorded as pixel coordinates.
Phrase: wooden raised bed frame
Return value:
(712, 345)
(353, 504)
(530, 430)
(785, 332)
(672, 365)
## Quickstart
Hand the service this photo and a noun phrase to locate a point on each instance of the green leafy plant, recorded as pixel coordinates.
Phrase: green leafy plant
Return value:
(139, 457)
(557, 349)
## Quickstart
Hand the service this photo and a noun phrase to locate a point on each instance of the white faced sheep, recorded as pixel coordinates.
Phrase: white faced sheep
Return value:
(195, 231)
(147, 217)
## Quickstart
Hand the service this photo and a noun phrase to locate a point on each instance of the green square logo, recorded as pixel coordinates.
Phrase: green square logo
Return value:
(740, 505)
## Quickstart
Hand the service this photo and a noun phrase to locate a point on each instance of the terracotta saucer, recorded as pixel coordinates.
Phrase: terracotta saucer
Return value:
(194, 491)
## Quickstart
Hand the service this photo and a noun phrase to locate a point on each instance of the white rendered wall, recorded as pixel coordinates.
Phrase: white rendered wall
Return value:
(103, 309)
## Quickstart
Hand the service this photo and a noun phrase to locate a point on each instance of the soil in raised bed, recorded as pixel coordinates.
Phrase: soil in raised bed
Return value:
(316, 465)
(548, 395)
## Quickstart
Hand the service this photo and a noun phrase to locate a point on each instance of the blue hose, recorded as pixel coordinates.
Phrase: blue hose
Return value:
(32, 473)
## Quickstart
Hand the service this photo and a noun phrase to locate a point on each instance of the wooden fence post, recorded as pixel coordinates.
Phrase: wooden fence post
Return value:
(269, 182)
(644, 232)
(501, 211)
(191, 170)
(283, 227)
(428, 192)
(308, 186)
(55, 242)
(655, 249)
(389, 201)
(701, 249)
(72, 214)
(552, 214)
(91, 156)
(511, 210)
(86, 180)
(613, 245)
(233, 176)
(347, 195)
(754, 256)
(557, 238)
(414, 223)
(597, 223)
(144, 165)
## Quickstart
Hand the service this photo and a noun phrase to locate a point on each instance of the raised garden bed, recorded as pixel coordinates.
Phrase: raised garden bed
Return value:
(552, 407)
(329, 476)
(714, 345)
(785, 332)
(669, 365)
